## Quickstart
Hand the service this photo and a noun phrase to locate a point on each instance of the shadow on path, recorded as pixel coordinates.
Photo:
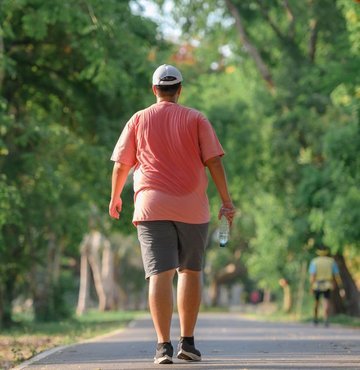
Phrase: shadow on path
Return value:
(227, 341)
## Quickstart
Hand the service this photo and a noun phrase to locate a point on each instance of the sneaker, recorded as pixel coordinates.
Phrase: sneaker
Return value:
(188, 352)
(164, 353)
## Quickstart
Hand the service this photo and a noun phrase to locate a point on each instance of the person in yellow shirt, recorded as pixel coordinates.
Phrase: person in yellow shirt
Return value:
(323, 272)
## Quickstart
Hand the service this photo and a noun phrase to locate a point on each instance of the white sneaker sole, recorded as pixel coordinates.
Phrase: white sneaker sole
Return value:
(163, 360)
(188, 356)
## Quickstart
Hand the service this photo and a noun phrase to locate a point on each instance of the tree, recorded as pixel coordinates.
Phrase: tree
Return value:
(306, 53)
(96, 253)
(68, 83)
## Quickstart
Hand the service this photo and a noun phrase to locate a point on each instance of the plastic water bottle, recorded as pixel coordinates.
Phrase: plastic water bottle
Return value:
(224, 230)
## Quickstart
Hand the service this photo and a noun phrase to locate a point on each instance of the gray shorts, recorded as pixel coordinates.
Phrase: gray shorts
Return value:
(166, 245)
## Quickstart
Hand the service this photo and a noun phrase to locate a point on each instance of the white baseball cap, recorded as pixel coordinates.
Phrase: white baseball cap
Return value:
(166, 75)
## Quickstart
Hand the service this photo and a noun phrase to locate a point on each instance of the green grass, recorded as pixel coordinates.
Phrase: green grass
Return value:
(88, 325)
(280, 316)
(27, 338)
(343, 320)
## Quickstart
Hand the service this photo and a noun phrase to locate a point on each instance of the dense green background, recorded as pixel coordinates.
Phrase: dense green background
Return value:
(279, 80)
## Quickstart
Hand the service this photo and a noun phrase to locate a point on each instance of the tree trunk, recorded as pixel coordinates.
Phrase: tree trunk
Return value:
(107, 274)
(6, 292)
(41, 290)
(250, 48)
(267, 296)
(287, 304)
(214, 293)
(287, 298)
(352, 296)
(9, 270)
(95, 265)
(83, 300)
(301, 289)
(337, 303)
(227, 275)
(92, 247)
(2, 59)
(313, 25)
(48, 303)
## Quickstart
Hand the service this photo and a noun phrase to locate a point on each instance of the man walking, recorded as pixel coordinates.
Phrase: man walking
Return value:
(323, 272)
(170, 146)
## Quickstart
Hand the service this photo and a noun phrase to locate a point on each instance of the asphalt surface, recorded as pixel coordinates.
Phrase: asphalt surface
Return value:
(227, 341)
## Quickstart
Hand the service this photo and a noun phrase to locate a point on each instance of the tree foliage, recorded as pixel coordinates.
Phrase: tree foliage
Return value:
(279, 81)
(71, 74)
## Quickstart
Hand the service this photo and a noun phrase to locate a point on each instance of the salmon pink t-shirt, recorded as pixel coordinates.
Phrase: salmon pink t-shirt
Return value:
(168, 145)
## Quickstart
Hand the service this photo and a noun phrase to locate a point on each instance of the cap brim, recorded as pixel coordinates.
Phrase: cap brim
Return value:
(166, 83)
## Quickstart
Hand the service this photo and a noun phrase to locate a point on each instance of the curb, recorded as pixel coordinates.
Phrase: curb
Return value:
(40, 356)
(51, 351)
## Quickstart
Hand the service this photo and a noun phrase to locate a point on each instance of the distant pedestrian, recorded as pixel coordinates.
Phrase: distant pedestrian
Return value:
(323, 272)
(170, 146)
(255, 297)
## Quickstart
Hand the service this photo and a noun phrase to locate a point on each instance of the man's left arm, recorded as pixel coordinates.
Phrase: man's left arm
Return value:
(218, 175)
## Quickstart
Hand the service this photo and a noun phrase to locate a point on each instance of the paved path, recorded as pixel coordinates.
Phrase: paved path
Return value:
(227, 341)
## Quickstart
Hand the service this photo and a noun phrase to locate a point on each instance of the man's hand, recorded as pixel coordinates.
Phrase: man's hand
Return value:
(115, 208)
(119, 176)
(228, 210)
(342, 292)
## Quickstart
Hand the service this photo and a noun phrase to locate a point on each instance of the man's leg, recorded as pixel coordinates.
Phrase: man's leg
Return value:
(161, 303)
(326, 307)
(316, 307)
(326, 310)
(192, 243)
(188, 300)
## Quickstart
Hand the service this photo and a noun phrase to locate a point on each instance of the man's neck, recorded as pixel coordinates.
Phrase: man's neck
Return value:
(171, 99)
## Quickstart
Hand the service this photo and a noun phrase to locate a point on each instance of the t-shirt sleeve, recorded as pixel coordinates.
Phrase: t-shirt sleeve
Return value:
(125, 148)
(335, 269)
(209, 143)
(312, 268)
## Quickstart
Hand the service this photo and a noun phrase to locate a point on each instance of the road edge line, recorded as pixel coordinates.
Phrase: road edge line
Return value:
(40, 356)
(51, 351)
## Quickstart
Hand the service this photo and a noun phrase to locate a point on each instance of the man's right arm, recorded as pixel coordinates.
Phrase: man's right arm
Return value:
(218, 175)
(119, 176)
(337, 277)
